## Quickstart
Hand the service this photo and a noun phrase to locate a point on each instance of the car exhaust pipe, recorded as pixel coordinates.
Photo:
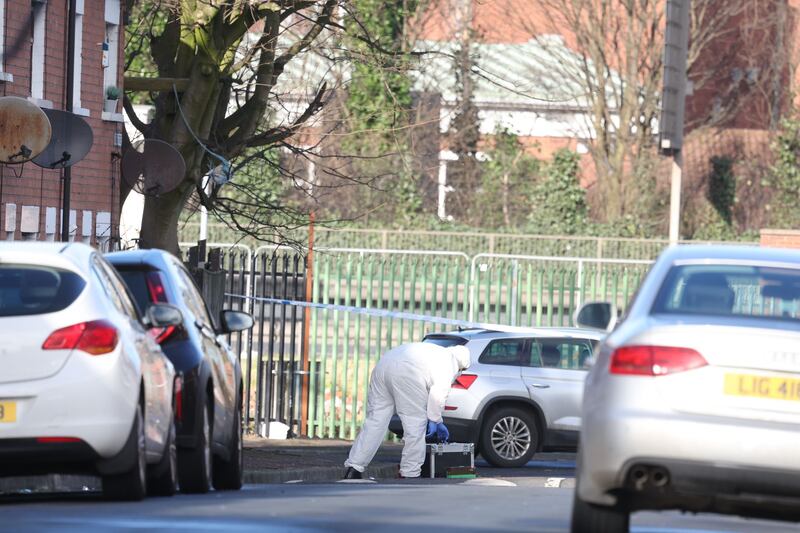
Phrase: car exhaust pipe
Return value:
(639, 477)
(659, 477)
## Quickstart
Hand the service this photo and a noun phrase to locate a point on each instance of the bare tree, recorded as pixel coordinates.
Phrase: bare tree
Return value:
(617, 76)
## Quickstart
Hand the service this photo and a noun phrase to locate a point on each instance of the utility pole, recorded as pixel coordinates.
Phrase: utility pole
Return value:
(70, 97)
(673, 102)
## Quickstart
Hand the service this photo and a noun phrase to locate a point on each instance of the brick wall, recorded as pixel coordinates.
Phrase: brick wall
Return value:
(780, 238)
(95, 180)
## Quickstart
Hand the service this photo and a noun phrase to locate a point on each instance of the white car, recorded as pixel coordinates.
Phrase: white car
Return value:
(694, 400)
(83, 385)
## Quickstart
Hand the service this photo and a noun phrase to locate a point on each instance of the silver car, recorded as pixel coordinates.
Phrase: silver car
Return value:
(522, 393)
(694, 400)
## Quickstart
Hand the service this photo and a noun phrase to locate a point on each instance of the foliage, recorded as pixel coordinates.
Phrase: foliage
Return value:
(559, 201)
(722, 187)
(508, 178)
(380, 91)
(785, 176)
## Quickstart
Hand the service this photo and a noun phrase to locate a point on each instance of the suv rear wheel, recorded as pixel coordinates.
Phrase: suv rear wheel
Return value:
(194, 464)
(228, 474)
(509, 437)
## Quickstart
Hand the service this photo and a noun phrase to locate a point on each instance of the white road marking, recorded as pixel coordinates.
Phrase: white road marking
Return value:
(553, 482)
(489, 482)
(356, 481)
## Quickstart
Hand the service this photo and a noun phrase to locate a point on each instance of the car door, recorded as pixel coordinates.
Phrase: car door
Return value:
(215, 353)
(553, 370)
(157, 373)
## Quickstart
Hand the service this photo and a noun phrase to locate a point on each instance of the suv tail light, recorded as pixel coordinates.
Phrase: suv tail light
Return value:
(178, 392)
(97, 337)
(155, 286)
(654, 360)
(464, 381)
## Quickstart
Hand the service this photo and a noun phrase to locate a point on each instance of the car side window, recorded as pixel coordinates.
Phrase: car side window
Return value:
(502, 352)
(108, 287)
(567, 354)
(192, 297)
(122, 290)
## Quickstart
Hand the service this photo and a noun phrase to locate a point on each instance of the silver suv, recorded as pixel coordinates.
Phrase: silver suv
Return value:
(522, 393)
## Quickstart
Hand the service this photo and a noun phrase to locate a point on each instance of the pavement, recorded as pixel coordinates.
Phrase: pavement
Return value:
(309, 460)
(301, 460)
(320, 461)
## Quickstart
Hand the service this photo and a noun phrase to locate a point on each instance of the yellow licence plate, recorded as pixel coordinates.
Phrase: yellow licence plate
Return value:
(762, 387)
(8, 412)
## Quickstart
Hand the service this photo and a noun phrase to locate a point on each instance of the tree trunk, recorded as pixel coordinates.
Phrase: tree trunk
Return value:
(160, 219)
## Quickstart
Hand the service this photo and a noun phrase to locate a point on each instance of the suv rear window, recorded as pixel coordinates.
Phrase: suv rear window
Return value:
(445, 340)
(36, 290)
(136, 280)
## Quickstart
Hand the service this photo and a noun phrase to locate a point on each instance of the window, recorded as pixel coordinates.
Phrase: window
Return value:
(111, 45)
(4, 76)
(114, 288)
(568, 354)
(78, 58)
(502, 352)
(445, 340)
(36, 289)
(191, 297)
(39, 8)
(731, 290)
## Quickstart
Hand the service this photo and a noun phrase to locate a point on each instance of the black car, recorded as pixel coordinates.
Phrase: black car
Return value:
(208, 410)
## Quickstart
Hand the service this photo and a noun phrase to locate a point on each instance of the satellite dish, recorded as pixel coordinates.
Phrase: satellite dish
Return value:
(71, 141)
(152, 167)
(24, 130)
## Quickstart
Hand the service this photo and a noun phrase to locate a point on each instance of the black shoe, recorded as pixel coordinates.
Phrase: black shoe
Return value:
(352, 473)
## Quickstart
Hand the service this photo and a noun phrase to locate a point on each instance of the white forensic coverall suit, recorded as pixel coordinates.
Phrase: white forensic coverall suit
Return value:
(412, 380)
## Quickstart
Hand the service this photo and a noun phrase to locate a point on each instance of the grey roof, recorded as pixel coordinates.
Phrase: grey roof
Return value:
(471, 334)
(541, 72)
(733, 253)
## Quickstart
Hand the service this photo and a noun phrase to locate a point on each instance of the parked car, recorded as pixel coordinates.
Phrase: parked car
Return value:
(694, 401)
(83, 387)
(522, 393)
(209, 414)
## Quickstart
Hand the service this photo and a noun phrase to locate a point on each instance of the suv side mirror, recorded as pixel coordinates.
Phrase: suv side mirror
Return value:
(232, 321)
(596, 315)
(162, 316)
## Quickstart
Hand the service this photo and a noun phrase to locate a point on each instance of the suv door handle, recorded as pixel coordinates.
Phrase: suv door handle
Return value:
(539, 386)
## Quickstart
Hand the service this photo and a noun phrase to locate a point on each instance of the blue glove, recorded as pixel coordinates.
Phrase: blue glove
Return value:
(431, 430)
(441, 432)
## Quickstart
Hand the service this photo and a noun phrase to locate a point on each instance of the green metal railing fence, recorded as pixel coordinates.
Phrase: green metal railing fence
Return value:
(326, 394)
(470, 243)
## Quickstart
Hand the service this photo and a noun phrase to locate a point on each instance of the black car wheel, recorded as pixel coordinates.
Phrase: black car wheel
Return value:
(590, 518)
(194, 464)
(509, 437)
(165, 480)
(131, 485)
(228, 474)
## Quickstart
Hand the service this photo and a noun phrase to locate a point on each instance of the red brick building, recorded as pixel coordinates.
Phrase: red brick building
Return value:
(33, 62)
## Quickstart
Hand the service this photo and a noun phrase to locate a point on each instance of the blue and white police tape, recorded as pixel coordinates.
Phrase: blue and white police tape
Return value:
(385, 313)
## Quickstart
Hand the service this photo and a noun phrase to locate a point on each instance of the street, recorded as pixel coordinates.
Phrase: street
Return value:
(519, 501)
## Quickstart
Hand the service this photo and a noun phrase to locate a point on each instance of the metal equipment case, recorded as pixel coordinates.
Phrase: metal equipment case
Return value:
(440, 457)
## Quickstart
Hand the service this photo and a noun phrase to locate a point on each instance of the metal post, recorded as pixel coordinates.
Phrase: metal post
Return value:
(675, 197)
(70, 96)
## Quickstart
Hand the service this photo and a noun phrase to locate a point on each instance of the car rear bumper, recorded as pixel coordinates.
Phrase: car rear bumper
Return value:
(610, 445)
(92, 399)
(720, 488)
